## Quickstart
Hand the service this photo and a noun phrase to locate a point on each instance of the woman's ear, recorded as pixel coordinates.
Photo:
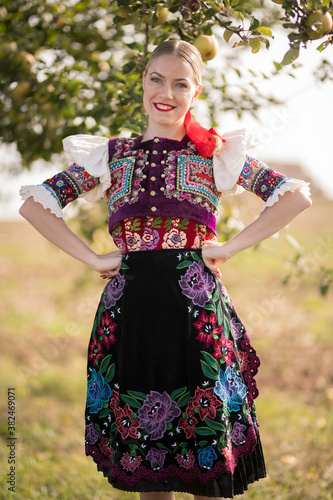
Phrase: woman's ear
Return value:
(197, 93)
(143, 76)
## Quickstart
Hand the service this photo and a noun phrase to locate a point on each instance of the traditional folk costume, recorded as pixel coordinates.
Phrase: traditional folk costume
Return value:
(171, 370)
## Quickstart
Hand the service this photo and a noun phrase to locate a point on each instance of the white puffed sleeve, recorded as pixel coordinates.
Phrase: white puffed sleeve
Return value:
(228, 163)
(87, 176)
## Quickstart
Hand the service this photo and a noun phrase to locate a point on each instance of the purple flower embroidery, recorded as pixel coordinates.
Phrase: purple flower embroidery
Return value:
(114, 290)
(91, 434)
(156, 411)
(156, 458)
(236, 328)
(237, 435)
(197, 284)
(149, 239)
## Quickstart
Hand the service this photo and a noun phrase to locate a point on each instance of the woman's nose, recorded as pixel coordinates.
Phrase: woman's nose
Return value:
(166, 91)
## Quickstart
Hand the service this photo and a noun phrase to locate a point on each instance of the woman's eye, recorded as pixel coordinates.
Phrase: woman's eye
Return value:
(183, 85)
(155, 79)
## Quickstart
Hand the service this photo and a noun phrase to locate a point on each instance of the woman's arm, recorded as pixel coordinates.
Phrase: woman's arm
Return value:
(57, 232)
(269, 222)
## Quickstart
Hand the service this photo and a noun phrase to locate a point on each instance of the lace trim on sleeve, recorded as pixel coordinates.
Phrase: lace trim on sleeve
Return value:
(43, 195)
(288, 184)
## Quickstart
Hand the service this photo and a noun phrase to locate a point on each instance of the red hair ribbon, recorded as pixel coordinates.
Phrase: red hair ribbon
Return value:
(202, 137)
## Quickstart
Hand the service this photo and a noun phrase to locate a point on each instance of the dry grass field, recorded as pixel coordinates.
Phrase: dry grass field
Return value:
(47, 307)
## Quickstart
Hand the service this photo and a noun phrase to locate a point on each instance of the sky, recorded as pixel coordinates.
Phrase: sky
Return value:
(300, 131)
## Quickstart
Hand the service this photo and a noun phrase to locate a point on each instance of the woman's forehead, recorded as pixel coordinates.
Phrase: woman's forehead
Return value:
(170, 65)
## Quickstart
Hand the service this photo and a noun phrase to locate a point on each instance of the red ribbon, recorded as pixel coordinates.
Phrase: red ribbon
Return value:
(202, 137)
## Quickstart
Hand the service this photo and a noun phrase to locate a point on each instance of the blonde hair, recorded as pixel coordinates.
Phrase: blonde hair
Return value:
(181, 49)
(192, 56)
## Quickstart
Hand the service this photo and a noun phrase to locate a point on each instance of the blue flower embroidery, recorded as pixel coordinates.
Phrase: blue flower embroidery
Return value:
(231, 389)
(206, 456)
(98, 392)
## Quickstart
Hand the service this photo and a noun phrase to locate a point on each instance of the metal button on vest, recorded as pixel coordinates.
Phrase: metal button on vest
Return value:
(153, 164)
(162, 188)
(153, 178)
(152, 193)
(143, 189)
(144, 176)
(155, 152)
(162, 162)
(153, 209)
(156, 139)
(163, 175)
(165, 152)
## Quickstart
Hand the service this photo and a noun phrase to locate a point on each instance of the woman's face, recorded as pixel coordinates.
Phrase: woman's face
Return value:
(169, 87)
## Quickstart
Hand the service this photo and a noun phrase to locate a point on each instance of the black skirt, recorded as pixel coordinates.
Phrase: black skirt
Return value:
(171, 389)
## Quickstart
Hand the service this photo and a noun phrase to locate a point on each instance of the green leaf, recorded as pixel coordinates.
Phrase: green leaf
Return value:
(195, 257)
(105, 363)
(226, 327)
(210, 307)
(218, 426)
(129, 67)
(219, 314)
(130, 401)
(137, 395)
(183, 400)
(290, 56)
(124, 266)
(255, 45)
(205, 431)
(227, 35)
(265, 31)
(184, 264)
(208, 371)
(110, 373)
(104, 413)
(178, 392)
(211, 360)
(254, 24)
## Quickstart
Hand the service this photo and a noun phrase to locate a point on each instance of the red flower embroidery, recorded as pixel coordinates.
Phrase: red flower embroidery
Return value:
(224, 350)
(206, 401)
(230, 459)
(114, 403)
(130, 463)
(186, 462)
(207, 327)
(127, 426)
(244, 359)
(188, 424)
(95, 351)
(106, 330)
(105, 447)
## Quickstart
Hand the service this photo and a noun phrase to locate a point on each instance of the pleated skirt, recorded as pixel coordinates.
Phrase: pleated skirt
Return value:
(171, 387)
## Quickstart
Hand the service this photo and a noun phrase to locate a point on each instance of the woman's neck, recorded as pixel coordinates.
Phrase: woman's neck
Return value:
(174, 132)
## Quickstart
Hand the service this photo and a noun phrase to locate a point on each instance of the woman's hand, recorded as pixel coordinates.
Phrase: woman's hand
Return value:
(214, 253)
(108, 265)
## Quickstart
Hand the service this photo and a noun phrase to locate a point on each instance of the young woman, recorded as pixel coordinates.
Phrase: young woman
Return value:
(171, 388)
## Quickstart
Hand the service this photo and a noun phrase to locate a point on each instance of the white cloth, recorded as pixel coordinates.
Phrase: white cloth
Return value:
(88, 151)
(228, 163)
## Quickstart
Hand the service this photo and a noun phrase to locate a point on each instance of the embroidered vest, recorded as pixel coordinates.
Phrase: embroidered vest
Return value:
(161, 177)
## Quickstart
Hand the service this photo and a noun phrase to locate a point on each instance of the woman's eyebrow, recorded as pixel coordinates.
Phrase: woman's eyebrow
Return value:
(162, 76)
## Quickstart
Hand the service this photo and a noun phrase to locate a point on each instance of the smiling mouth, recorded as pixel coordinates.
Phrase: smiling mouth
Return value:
(163, 107)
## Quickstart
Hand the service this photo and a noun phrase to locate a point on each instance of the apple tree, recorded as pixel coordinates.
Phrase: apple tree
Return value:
(75, 66)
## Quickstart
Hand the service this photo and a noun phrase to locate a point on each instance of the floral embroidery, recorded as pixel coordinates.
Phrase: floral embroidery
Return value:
(156, 458)
(114, 290)
(231, 389)
(197, 284)
(150, 239)
(186, 462)
(133, 241)
(95, 351)
(207, 328)
(206, 401)
(92, 436)
(127, 426)
(224, 350)
(98, 392)
(106, 448)
(174, 239)
(130, 463)
(257, 177)
(231, 461)
(188, 424)
(237, 435)
(156, 411)
(206, 457)
(106, 330)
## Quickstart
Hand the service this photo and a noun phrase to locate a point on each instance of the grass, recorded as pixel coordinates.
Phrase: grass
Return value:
(46, 311)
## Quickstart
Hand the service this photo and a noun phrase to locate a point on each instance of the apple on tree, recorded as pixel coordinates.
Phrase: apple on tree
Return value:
(318, 24)
(207, 46)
